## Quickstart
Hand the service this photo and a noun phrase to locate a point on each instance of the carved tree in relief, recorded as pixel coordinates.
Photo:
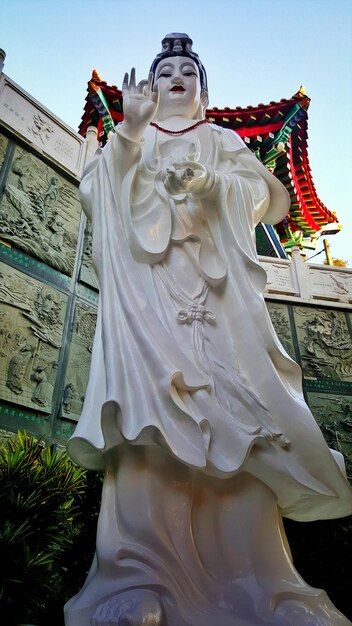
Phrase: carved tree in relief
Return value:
(39, 211)
(334, 416)
(280, 319)
(325, 344)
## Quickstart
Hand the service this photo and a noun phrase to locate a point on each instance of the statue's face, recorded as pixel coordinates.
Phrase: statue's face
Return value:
(179, 87)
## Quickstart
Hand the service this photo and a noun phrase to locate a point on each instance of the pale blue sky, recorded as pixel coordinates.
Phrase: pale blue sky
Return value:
(254, 51)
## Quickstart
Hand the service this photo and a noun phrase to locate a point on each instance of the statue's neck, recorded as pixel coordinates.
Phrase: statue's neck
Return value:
(177, 122)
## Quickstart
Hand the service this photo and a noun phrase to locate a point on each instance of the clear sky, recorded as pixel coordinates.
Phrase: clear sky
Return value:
(253, 50)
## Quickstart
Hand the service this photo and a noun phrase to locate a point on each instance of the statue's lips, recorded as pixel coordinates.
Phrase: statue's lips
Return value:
(177, 88)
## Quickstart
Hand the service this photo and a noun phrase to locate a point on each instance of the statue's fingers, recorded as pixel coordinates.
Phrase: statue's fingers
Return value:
(154, 88)
(192, 164)
(142, 87)
(133, 77)
(171, 182)
(154, 96)
(171, 187)
(125, 81)
(147, 87)
(150, 81)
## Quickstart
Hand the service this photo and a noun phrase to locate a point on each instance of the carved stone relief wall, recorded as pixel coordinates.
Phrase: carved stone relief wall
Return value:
(320, 339)
(334, 416)
(280, 318)
(40, 216)
(325, 343)
(31, 326)
(3, 145)
(40, 211)
(87, 273)
(77, 371)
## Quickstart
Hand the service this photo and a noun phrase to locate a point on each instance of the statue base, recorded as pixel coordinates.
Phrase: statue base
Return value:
(177, 547)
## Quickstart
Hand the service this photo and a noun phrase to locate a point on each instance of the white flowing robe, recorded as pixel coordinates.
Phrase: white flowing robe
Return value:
(185, 355)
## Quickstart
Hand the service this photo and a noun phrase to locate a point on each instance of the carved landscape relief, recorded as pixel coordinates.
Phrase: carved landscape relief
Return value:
(31, 325)
(77, 371)
(87, 273)
(279, 316)
(334, 416)
(3, 145)
(40, 211)
(325, 343)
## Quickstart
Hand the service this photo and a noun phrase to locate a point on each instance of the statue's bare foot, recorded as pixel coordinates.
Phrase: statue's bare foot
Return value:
(311, 611)
(136, 607)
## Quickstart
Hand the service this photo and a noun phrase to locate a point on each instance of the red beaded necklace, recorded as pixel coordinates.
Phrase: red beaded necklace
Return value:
(178, 132)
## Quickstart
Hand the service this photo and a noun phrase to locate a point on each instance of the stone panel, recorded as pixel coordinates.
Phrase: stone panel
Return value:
(281, 321)
(14, 418)
(80, 351)
(3, 145)
(40, 211)
(325, 344)
(87, 273)
(331, 285)
(63, 430)
(31, 326)
(334, 416)
(279, 277)
(24, 115)
(38, 269)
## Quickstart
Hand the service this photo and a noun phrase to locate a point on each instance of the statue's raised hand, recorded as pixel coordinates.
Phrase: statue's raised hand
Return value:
(140, 103)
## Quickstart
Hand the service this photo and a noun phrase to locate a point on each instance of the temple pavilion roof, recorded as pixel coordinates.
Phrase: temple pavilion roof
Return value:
(276, 132)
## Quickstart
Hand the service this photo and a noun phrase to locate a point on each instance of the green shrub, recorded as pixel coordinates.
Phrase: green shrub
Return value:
(42, 500)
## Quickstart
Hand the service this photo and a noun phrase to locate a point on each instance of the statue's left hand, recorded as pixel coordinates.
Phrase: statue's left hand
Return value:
(186, 177)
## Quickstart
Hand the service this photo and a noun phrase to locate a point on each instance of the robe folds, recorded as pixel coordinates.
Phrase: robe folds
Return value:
(185, 355)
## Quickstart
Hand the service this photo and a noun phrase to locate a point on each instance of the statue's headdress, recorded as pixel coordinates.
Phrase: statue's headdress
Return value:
(180, 44)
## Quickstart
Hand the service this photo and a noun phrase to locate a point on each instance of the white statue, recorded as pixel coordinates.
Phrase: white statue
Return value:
(193, 407)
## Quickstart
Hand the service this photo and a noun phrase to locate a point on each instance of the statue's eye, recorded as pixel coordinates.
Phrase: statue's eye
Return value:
(165, 74)
(189, 73)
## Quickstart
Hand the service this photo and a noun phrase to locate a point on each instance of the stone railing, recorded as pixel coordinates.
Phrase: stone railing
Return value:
(297, 281)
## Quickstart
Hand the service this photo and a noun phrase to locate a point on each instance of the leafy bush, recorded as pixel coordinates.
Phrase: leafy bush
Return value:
(42, 499)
